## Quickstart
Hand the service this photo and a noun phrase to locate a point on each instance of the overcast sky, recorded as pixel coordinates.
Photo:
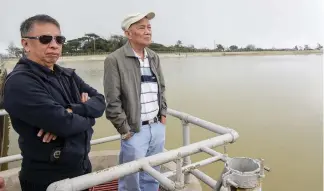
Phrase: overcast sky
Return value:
(265, 23)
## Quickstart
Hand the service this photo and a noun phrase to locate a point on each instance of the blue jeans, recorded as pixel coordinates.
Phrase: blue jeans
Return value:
(149, 141)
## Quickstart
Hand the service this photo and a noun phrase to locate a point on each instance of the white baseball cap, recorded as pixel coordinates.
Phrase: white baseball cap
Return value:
(133, 18)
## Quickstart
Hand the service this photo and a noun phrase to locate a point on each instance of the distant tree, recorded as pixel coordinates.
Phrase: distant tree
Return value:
(14, 51)
(92, 35)
(233, 48)
(116, 41)
(158, 47)
(306, 47)
(250, 47)
(191, 46)
(93, 38)
(92, 42)
(179, 43)
(220, 47)
(319, 46)
(72, 46)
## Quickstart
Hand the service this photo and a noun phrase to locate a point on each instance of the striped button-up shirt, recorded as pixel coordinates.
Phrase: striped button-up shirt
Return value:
(149, 90)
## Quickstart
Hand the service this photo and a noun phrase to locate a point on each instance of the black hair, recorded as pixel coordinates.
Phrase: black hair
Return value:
(27, 25)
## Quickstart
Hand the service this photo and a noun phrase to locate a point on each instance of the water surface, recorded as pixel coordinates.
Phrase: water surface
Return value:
(274, 102)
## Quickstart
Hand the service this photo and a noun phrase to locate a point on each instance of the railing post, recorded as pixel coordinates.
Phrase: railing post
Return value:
(179, 183)
(186, 141)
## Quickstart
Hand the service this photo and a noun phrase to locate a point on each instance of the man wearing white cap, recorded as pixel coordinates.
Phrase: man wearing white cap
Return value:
(136, 105)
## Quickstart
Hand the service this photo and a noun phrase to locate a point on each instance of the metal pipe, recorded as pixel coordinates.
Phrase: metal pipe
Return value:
(109, 174)
(3, 112)
(210, 151)
(165, 182)
(219, 181)
(202, 123)
(232, 183)
(189, 118)
(196, 165)
(171, 112)
(179, 175)
(184, 116)
(105, 139)
(93, 142)
(10, 158)
(214, 153)
(2, 135)
(262, 168)
(204, 177)
(186, 141)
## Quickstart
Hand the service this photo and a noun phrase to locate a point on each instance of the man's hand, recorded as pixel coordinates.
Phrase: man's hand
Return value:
(163, 120)
(127, 136)
(2, 184)
(49, 136)
(84, 97)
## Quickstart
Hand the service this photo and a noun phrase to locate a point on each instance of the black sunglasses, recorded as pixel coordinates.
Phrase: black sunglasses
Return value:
(46, 39)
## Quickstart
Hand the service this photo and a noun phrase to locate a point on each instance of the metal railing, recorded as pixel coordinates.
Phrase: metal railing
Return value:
(181, 155)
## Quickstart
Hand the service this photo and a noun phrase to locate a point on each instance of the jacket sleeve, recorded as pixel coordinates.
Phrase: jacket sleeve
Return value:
(114, 110)
(163, 109)
(94, 107)
(26, 99)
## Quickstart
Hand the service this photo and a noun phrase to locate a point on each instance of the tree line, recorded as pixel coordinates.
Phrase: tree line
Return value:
(92, 43)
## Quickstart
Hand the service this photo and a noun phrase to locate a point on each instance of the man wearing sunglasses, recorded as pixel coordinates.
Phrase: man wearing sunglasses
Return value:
(51, 108)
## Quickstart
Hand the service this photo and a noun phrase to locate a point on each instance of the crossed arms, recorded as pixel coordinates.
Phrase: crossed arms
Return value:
(28, 100)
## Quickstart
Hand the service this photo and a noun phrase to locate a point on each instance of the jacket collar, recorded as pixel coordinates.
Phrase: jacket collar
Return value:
(41, 70)
(129, 52)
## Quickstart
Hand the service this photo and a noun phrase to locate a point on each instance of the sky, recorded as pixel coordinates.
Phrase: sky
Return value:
(264, 23)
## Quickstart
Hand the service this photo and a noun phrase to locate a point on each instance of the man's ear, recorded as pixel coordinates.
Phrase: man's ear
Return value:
(128, 34)
(24, 44)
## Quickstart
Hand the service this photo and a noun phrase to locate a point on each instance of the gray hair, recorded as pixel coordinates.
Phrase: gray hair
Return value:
(27, 25)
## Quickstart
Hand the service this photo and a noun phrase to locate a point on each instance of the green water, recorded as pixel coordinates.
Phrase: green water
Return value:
(274, 102)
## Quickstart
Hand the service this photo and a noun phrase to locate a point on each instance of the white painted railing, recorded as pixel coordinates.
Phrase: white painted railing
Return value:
(180, 155)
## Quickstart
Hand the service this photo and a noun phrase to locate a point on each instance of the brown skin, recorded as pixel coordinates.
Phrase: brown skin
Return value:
(139, 35)
(163, 120)
(2, 184)
(46, 55)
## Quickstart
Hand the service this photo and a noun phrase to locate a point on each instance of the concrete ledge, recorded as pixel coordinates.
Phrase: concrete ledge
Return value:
(103, 159)
(11, 179)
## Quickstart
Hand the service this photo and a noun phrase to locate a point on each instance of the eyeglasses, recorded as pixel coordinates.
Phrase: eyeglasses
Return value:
(46, 39)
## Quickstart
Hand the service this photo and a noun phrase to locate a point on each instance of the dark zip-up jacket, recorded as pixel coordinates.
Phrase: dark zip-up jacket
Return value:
(37, 98)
